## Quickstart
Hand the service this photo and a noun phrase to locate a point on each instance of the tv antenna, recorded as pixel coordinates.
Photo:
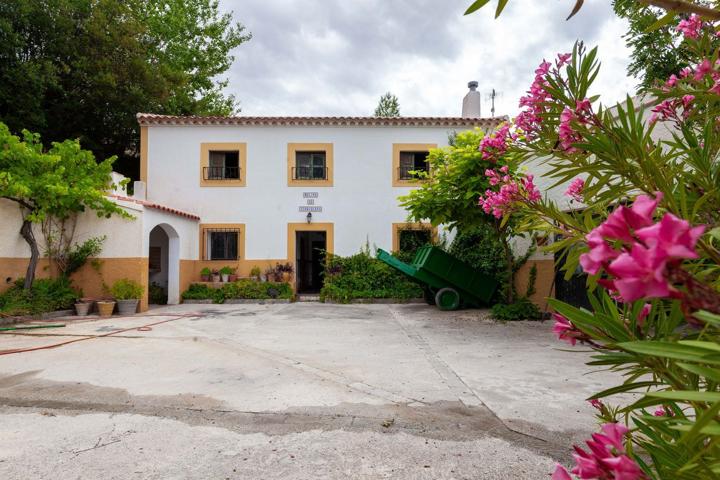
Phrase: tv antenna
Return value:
(491, 98)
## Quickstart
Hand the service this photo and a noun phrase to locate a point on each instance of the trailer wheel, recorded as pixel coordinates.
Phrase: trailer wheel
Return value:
(447, 299)
(429, 296)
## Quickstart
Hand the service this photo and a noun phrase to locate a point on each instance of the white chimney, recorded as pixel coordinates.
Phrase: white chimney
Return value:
(471, 102)
(139, 190)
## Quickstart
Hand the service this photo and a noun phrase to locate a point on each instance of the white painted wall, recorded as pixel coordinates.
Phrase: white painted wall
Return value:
(362, 204)
(124, 236)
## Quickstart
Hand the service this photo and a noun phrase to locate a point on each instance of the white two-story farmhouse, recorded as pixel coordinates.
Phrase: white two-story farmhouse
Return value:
(253, 191)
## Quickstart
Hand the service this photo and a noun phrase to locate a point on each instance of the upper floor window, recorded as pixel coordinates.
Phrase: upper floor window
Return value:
(413, 164)
(310, 164)
(223, 164)
(410, 161)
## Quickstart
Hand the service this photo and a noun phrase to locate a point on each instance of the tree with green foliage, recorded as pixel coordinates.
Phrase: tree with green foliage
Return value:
(60, 182)
(657, 47)
(448, 194)
(84, 68)
(388, 106)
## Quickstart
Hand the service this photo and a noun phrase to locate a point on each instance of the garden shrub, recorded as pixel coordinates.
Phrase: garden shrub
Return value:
(522, 309)
(157, 294)
(125, 289)
(45, 295)
(247, 289)
(363, 276)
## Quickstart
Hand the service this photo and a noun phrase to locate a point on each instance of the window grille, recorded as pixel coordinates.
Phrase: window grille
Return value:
(221, 243)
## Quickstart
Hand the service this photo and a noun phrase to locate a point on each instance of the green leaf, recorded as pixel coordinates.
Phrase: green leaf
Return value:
(709, 373)
(687, 396)
(623, 388)
(708, 317)
(669, 350)
(576, 9)
(662, 21)
(477, 5)
(712, 429)
(500, 7)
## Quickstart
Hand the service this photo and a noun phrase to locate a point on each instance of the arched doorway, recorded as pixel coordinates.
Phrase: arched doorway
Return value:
(164, 261)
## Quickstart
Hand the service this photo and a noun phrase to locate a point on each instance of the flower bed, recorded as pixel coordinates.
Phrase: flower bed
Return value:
(241, 289)
(362, 276)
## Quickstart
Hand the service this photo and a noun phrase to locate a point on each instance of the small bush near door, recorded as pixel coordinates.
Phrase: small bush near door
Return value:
(363, 276)
(157, 294)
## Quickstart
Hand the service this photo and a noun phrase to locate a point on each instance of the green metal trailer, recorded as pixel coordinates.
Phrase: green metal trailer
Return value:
(447, 282)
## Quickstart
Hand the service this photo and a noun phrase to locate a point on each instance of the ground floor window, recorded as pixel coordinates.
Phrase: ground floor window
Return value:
(409, 237)
(221, 244)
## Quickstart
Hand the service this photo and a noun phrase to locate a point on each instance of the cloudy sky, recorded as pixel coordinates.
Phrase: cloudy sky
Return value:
(336, 57)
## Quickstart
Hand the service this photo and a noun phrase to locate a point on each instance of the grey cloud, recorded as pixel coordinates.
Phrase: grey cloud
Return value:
(331, 58)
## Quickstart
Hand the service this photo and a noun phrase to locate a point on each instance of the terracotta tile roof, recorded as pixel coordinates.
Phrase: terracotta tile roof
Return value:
(154, 119)
(157, 206)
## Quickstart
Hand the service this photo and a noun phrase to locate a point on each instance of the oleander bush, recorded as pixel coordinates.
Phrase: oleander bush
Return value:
(46, 295)
(364, 276)
(647, 234)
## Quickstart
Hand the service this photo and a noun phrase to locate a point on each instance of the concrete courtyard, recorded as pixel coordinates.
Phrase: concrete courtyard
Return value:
(292, 391)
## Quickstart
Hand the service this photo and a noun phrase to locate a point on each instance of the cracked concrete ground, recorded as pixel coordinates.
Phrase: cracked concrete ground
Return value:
(292, 391)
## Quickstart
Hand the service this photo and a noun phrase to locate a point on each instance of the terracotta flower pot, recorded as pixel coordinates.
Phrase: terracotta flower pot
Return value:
(232, 277)
(204, 278)
(105, 308)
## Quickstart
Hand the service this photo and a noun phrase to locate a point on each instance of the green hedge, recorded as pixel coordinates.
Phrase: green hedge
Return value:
(247, 289)
(46, 295)
(363, 276)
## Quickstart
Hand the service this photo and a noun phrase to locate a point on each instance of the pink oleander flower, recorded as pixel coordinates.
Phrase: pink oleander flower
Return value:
(640, 274)
(715, 88)
(563, 59)
(495, 145)
(595, 403)
(560, 473)
(566, 133)
(691, 27)
(605, 459)
(533, 104)
(498, 203)
(638, 265)
(687, 101)
(583, 106)
(702, 69)
(575, 189)
(565, 330)
(660, 412)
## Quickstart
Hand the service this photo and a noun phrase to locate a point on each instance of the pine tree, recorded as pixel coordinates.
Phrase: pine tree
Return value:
(388, 106)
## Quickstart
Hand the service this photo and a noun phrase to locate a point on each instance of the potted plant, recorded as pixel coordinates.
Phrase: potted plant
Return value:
(256, 273)
(83, 306)
(225, 273)
(215, 276)
(127, 293)
(205, 274)
(105, 307)
(286, 272)
(233, 275)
